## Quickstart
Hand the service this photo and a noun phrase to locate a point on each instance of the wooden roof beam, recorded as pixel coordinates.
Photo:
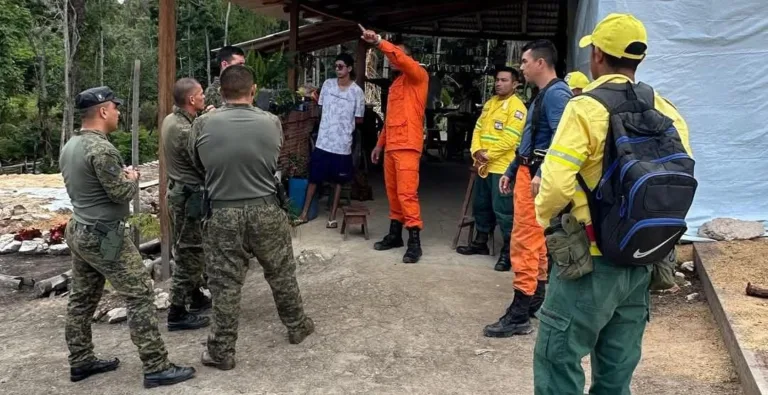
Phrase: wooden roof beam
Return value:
(524, 17)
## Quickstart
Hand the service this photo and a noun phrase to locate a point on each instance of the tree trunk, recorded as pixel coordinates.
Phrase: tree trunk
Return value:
(67, 67)
(226, 24)
(208, 56)
(189, 55)
(101, 56)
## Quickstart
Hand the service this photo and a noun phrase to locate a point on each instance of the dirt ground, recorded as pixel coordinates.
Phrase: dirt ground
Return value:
(382, 327)
(749, 314)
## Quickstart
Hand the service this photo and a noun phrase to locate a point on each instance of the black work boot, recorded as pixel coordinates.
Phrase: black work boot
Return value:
(173, 375)
(394, 239)
(478, 246)
(504, 264)
(538, 298)
(413, 253)
(200, 302)
(97, 366)
(515, 321)
(180, 319)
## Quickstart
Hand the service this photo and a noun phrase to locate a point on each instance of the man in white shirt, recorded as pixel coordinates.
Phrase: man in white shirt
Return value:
(343, 106)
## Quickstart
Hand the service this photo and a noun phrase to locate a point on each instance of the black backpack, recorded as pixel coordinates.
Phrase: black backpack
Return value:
(639, 205)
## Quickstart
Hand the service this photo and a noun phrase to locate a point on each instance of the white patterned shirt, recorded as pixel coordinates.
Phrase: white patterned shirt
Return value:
(340, 108)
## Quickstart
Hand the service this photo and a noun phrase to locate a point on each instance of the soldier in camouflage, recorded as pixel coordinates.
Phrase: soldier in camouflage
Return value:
(227, 56)
(100, 188)
(184, 199)
(238, 146)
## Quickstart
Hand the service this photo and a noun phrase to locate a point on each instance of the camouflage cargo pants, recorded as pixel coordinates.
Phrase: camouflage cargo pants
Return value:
(231, 237)
(187, 247)
(129, 279)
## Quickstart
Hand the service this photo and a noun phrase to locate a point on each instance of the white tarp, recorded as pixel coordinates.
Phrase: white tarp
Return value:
(709, 58)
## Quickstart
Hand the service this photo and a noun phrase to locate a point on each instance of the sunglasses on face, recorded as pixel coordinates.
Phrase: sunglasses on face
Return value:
(340, 66)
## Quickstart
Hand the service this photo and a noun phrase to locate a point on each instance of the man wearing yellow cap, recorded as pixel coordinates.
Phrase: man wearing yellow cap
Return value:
(495, 138)
(603, 312)
(577, 81)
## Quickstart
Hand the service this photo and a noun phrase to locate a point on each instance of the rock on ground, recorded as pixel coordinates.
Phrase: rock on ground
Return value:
(162, 300)
(29, 247)
(727, 229)
(11, 247)
(58, 249)
(119, 314)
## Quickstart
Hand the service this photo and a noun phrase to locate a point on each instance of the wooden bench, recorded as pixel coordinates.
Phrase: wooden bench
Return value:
(466, 221)
(354, 215)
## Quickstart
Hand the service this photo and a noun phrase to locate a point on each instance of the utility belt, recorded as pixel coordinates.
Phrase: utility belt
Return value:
(111, 236)
(533, 161)
(189, 196)
(255, 202)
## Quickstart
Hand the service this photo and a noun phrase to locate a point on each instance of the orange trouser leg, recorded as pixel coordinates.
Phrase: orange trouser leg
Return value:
(390, 182)
(402, 192)
(529, 248)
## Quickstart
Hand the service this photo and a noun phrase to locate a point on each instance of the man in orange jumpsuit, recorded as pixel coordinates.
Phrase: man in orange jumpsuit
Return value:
(403, 139)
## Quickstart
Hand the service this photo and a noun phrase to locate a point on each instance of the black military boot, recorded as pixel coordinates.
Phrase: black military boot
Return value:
(228, 363)
(504, 264)
(86, 370)
(394, 239)
(413, 253)
(538, 298)
(479, 246)
(180, 319)
(200, 302)
(173, 375)
(515, 321)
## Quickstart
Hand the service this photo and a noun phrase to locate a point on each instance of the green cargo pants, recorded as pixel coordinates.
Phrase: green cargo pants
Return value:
(604, 314)
(490, 207)
(187, 230)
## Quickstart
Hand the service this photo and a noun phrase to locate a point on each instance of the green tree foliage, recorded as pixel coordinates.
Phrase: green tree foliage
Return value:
(32, 62)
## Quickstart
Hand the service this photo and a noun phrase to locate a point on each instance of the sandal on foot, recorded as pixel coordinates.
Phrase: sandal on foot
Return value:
(332, 224)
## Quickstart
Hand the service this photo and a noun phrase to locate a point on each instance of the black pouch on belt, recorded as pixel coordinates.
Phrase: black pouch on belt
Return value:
(193, 205)
(111, 239)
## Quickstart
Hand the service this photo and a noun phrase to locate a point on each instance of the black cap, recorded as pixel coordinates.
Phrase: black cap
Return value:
(95, 96)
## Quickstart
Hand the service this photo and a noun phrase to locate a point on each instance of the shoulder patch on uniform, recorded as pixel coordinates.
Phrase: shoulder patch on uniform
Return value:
(519, 115)
(113, 169)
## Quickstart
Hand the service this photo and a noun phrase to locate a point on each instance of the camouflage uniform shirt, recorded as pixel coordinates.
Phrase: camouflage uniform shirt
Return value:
(212, 94)
(93, 174)
(175, 134)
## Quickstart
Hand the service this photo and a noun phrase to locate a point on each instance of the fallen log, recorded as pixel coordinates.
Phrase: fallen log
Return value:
(757, 291)
(150, 247)
(54, 284)
(16, 282)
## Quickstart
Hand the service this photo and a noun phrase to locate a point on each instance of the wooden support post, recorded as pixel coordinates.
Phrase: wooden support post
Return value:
(293, 45)
(135, 144)
(166, 52)
(561, 38)
(360, 63)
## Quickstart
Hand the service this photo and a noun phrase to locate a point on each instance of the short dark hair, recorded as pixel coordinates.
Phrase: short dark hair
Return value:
(542, 49)
(507, 69)
(346, 58)
(621, 63)
(236, 82)
(182, 89)
(399, 41)
(226, 53)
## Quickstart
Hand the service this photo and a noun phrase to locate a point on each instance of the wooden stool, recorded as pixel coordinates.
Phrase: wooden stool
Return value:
(468, 221)
(354, 215)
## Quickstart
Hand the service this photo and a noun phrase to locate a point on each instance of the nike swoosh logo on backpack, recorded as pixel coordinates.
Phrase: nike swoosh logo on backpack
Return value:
(638, 254)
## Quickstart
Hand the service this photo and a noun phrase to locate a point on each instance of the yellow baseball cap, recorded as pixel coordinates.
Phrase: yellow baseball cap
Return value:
(619, 35)
(576, 80)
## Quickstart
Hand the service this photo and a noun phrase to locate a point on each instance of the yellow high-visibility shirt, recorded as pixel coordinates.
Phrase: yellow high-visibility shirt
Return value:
(577, 148)
(498, 130)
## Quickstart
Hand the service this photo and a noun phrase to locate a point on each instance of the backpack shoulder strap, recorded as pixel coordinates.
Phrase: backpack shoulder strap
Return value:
(538, 105)
(612, 95)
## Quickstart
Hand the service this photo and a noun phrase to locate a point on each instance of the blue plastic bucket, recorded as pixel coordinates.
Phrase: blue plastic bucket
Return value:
(297, 192)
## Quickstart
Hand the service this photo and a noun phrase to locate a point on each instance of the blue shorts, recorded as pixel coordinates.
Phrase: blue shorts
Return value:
(326, 166)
